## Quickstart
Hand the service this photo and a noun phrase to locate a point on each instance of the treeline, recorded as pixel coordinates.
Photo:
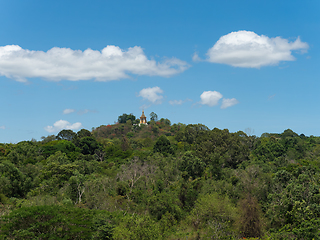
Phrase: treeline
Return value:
(160, 181)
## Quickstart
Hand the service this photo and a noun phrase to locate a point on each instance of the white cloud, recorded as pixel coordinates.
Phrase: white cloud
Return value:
(63, 124)
(249, 50)
(145, 106)
(179, 102)
(175, 102)
(81, 112)
(196, 57)
(227, 102)
(111, 63)
(152, 94)
(210, 98)
(2, 127)
(271, 97)
(68, 110)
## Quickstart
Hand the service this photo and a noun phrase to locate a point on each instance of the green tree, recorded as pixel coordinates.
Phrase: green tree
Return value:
(47, 222)
(163, 146)
(25, 151)
(155, 129)
(66, 135)
(89, 145)
(76, 185)
(12, 181)
(125, 117)
(52, 147)
(288, 133)
(103, 227)
(192, 165)
(137, 227)
(219, 148)
(213, 209)
(269, 149)
(293, 208)
(83, 133)
(48, 138)
(165, 121)
(55, 174)
(188, 193)
(250, 224)
(153, 117)
(164, 202)
(191, 132)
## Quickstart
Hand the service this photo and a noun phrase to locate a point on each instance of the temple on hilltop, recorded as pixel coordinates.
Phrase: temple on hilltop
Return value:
(143, 119)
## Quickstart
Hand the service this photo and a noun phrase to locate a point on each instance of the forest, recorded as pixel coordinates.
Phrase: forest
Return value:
(160, 181)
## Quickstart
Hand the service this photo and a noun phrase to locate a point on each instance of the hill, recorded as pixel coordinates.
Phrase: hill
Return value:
(161, 181)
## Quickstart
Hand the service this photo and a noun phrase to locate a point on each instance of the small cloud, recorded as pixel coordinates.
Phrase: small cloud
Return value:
(145, 106)
(63, 124)
(179, 102)
(152, 94)
(210, 98)
(68, 111)
(228, 102)
(2, 127)
(271, 97)
(284, 67)
(249, 50)
(175, 102)
(81, 112)
(196, 57)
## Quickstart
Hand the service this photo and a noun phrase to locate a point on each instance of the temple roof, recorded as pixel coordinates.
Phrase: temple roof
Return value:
(143, 116)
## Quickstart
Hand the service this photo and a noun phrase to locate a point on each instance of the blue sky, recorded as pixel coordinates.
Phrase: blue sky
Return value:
(226, 64)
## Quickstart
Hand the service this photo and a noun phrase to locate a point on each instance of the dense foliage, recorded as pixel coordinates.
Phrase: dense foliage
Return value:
(160, 181)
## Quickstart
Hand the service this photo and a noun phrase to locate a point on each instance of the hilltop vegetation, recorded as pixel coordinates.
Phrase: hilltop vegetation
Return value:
(160, 181)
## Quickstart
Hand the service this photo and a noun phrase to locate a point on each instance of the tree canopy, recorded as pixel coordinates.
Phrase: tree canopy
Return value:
(125, 117)
(160, 181)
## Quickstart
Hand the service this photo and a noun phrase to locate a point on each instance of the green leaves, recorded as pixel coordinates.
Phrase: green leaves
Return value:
(66, 135)
(162, 203)
(161, 181)
(214, 214)
(88, 145)
(125, 117)
(137, 227)
(192, 165)
(12, 181)
(50, 222)
(163, 146)
(294, 205)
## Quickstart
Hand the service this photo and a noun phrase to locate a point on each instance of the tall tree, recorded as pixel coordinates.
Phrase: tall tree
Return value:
(153, 116)
(250, 221)
(66, 135)
(163, 146)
